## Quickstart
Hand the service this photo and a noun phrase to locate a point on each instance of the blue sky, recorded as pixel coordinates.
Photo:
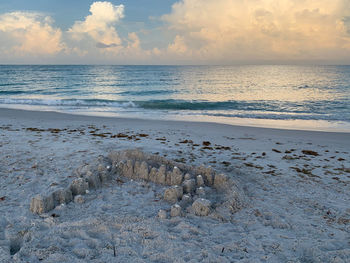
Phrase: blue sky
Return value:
(65, 12)
(175, 31)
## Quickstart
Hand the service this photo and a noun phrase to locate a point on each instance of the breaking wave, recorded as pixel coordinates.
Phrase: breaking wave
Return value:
(320, 110)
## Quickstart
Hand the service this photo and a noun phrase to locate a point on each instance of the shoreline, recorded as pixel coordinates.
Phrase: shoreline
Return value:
(280, 124)
(48, 115)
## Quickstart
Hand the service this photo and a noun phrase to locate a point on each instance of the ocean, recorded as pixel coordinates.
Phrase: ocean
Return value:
(279, 96)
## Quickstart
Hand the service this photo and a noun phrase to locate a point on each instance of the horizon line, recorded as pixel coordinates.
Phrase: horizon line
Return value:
(174, 65)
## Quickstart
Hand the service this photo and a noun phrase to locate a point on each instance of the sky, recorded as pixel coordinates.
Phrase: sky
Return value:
(175, 32)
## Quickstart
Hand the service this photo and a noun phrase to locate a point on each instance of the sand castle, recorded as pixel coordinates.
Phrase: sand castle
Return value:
(189, 189)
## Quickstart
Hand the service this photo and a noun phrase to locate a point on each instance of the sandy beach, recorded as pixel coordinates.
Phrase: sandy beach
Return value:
(295, 183)
(174, 131)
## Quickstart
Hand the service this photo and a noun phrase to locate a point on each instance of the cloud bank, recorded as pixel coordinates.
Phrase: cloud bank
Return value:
(29, 34)
(231, 30)
(196, 31)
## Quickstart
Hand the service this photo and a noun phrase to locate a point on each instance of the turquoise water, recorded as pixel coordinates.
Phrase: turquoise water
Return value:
(305, 97)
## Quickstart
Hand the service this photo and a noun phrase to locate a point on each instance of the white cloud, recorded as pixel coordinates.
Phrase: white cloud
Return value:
(99, 26)
(97, 38)
(29, 34)
(178, 46)
(228, 30)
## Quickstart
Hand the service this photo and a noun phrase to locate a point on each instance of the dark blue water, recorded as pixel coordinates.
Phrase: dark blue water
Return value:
(299, 95)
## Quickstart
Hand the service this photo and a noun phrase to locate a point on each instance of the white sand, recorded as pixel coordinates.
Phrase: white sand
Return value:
(298, 207)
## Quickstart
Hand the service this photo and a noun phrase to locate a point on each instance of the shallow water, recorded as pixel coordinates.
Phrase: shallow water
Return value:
(301, 97)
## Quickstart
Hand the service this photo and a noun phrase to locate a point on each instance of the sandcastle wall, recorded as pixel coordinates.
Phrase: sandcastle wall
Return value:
(192, 189)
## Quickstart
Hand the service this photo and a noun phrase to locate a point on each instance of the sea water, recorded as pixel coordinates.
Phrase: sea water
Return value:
(280, 96)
